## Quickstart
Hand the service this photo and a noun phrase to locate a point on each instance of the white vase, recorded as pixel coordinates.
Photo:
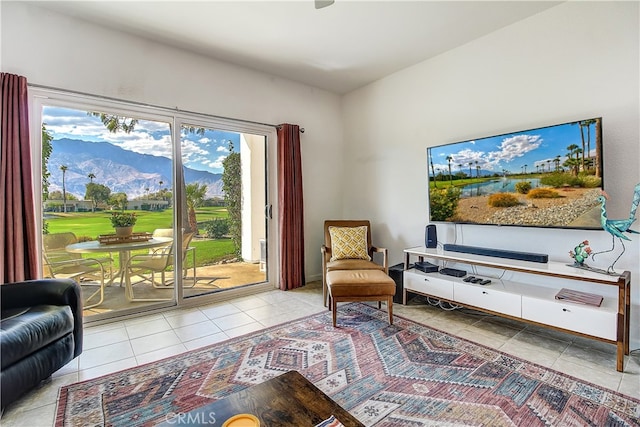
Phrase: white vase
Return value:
(124, 231)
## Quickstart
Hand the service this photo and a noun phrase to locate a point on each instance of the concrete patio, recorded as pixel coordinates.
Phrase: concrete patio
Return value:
(209, 279)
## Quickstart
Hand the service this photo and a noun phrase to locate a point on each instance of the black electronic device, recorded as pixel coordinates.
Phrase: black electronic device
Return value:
(396, 272)
(430, 236)
(498, 253)
(490, 168)
(468, 278)
(453, 272)
(426, 267)
(485, 282)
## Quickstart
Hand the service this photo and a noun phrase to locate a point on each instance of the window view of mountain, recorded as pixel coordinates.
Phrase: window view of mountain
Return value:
(121, 170)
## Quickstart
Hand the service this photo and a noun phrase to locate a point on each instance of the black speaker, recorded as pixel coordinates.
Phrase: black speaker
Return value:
(430, 236)
(396, 272)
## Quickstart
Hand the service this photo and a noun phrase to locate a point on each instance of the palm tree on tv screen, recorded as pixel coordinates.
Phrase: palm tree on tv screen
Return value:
(449, 160)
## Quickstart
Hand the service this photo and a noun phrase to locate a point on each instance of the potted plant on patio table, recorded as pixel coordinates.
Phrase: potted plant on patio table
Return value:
(123, 223)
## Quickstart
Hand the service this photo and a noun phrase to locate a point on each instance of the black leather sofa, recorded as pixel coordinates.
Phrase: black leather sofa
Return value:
(40, 331)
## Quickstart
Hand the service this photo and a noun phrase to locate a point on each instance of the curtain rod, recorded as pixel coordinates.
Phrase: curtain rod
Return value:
(107, 98)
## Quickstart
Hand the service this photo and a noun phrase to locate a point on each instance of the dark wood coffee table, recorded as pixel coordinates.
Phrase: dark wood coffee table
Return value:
(286, 400)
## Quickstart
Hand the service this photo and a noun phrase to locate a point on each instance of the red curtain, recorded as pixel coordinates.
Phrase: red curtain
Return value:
(290, 208)
(18, 254)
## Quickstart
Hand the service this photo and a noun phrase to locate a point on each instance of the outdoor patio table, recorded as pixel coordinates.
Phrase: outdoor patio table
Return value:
(124, 249)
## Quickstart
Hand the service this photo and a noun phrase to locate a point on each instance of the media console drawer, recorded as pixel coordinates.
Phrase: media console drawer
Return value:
(596, 321)
(429, 284)
(487, 298)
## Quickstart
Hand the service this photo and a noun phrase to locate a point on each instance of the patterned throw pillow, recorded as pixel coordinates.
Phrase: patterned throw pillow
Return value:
(349, 243)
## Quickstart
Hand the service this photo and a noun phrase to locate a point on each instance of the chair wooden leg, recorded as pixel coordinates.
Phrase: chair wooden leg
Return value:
(334, 309)
(390, 309)
(324, 292)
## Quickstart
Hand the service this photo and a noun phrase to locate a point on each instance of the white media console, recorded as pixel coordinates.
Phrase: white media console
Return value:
(528, 300)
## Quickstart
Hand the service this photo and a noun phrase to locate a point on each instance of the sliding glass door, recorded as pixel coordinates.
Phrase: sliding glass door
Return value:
(224, 203)
(194, 189)
(101, 169)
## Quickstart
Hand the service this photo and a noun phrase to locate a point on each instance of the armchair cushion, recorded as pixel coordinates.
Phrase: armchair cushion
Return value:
(32, 329)
(349, 243)
(353, 264)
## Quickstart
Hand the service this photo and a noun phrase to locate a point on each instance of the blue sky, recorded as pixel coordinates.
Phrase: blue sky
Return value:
(204, 152)
(511, 151)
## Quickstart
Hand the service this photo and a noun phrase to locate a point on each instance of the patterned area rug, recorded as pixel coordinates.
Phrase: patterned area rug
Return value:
(407, 374)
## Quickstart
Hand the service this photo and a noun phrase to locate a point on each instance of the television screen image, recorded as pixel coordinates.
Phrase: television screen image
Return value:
(545, 177)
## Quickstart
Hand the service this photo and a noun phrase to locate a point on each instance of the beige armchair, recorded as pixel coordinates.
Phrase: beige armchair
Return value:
(349, 263)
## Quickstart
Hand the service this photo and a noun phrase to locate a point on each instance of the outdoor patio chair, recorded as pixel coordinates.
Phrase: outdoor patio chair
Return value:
(168, 232)
(60, 264)
(147, 266)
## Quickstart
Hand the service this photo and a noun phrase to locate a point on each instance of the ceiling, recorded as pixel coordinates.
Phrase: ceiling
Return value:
(338, 48)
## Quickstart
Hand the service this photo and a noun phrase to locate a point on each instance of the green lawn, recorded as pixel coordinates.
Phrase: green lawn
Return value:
(458, 182)
(88, 226)
(466, 181)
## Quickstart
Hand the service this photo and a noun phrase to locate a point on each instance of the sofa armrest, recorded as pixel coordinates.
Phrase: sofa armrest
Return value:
(46, 292)
(39, 292)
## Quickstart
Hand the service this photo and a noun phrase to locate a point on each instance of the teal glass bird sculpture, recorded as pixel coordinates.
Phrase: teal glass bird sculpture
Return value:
(618, 227)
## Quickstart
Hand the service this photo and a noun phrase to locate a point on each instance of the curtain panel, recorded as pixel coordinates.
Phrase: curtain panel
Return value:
(18, 254)
(290, 207)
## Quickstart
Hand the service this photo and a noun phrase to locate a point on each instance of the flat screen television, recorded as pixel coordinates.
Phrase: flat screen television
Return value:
(545, 177)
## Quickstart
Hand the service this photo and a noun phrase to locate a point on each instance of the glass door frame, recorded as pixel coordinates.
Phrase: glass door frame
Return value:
(40, 97)
(189, 119)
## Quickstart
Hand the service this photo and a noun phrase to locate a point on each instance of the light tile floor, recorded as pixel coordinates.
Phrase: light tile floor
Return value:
(125, 344)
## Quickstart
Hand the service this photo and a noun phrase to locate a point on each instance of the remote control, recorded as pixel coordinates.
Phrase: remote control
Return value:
(468, 278)
(476, 280)
(485, 282)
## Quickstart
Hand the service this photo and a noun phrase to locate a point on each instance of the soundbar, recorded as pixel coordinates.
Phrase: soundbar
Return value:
(499, 253)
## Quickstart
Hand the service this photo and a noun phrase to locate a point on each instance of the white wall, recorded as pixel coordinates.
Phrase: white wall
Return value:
(54, 50)
(573, 61)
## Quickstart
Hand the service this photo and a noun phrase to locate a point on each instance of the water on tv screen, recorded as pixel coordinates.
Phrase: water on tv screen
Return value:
(545, 177)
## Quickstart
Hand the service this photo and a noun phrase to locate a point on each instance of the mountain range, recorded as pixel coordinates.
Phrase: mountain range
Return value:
(121, 170)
